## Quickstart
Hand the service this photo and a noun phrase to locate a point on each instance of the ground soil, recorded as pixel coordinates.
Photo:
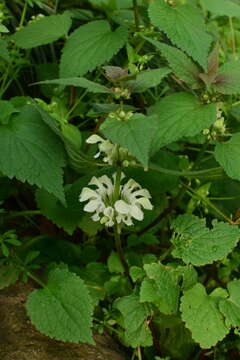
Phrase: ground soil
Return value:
(20, 341)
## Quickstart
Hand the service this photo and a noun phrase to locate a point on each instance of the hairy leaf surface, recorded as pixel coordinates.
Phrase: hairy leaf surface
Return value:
(135, 134)
(63, 309)
(228, 156)
(185, 27)
(135, 317)
(194, 243)
(221, 7)
(180, 114)
(90, 45)
(147, 79)
(43, 31)
(31, 152)
(231, 307)
(202, 317)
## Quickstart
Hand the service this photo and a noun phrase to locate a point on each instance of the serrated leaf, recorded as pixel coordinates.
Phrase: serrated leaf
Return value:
(195, 244)
(182, 66)
(6, 110)
(221, 7)
(135, 317)
(180, 114)
(147, 79)
(227, 80)
(202, 317)
(161, 288)
(228, 156)
(8, 275)
(91, 86)
(63, 309)
(43, 31)
(31, 152)
(185, 27)
(90, 45)
(67, 217)
(230, 307)
(135, 134)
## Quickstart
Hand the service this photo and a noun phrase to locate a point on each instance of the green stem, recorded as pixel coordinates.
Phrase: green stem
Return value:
(36, 279)
(136, 14)
(233, 38)
(23, 213)
(185, 173)
(23, 14)
(118, 245)
(117, 184)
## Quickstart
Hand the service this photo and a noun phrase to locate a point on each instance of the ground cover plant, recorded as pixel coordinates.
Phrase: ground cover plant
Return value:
(120, 170)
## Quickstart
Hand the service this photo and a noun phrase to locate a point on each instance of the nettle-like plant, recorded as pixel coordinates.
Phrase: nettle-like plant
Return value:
(129, 137)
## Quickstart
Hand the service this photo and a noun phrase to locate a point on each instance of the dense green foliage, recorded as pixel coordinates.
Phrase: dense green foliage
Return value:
(120, 171)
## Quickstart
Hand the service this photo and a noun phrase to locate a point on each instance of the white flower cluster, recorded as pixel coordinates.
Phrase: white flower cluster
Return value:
(112, 152)
(132, 198)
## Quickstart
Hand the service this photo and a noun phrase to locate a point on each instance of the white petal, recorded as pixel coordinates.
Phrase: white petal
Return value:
(142, 192)
(145, 203)
(92, 206)
(95, 217)
(87, 194)
(93, 139)
(122, 207)
(136, 212)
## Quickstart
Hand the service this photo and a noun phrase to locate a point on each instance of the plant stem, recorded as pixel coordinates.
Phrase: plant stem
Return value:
(23, 213)
(136, 14)
(23, 14)
(118, 245)
(185, 173)
(233, 38)
(117, 184)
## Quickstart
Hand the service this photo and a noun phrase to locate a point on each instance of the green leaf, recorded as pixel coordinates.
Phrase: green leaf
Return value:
(43, 31)
(3, 29)
(136, 273)
(67, 217)
(90, 45)
(230, 307)
(194, 243)
(135, 134)
(147, 79)
(135, 317)
(8, 275)
(62, 309)
(221, 7)
(228, 156)
(185, 27)
(79, 82)
(182, 66)
(4, 53)
(161, 288)
(31, 152)
(6, 110)
(227, 80)
(202, 317)
(180, 114)
(114, 263)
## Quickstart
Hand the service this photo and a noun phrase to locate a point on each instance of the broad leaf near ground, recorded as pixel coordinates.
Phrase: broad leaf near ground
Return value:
(160, 287)
(43, 31)
(202, 317)
(9, 274)
(228, 156)
(62, 309)
(230, 307)
(180, 114)
(227, 80)
(89, 46)
(79, 82)
(135, 134)
(195, 244)
(6, 110)
(31, 152)
(182, 66)
(135, 317)
(147, 79)
(221, 7)
(184, 25)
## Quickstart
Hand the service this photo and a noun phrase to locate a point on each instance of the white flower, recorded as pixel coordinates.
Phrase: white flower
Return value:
(112, 153)
(130, 204)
